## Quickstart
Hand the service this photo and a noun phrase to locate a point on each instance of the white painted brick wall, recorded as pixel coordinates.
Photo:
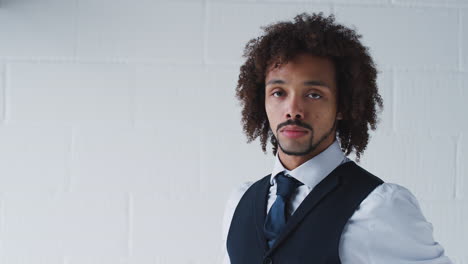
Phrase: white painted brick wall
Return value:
(70, 93)
(442, 104)
(102, 101)
(404, 37)
(34, 158)
(37, 28)
(2, 90)
(231, 25)
(147, 30)
(65, 224)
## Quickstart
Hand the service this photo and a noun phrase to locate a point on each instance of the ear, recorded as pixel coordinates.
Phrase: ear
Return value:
(339, 116)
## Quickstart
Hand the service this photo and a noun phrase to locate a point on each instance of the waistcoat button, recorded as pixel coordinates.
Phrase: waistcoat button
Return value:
(267, 261)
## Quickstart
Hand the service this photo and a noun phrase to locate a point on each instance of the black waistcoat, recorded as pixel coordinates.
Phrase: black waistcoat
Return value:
(312, 234)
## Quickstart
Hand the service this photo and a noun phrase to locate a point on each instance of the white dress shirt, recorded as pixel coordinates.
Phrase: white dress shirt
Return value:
(388, 226)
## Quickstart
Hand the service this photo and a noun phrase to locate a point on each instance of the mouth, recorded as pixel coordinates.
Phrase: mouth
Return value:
(293, 131)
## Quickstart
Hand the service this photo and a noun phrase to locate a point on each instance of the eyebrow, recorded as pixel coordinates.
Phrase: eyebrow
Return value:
(307, 83)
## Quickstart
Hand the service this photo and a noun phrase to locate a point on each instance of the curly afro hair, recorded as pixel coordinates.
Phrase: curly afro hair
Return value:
(320, 36)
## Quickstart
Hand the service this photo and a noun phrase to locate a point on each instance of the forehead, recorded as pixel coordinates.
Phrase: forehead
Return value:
(303, 66)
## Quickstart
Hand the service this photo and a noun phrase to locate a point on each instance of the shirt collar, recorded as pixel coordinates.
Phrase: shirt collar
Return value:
(314, 170)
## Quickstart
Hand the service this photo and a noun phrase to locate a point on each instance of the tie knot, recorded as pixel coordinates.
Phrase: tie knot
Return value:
(286, 185)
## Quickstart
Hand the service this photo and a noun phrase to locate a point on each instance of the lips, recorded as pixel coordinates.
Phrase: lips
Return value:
(293, 131)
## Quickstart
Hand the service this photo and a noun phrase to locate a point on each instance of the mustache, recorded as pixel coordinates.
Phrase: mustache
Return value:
(294, 122)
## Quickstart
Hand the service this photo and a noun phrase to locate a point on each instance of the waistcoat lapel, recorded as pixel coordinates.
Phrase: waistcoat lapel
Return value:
(320, 191)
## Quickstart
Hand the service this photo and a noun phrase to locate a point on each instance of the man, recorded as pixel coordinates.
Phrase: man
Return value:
(309, 87)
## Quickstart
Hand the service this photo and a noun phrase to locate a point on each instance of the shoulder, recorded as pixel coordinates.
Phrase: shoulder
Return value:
(236, 194)
(231, 204)
(389, 225)
(392, 197)
(234, 198)
(393, 205)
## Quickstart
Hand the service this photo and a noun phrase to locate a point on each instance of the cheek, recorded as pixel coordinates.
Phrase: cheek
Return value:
(269, 111)
(322, 116)
(272, 117)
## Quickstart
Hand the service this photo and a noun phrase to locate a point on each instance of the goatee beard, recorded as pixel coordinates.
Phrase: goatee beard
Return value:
(312, 146)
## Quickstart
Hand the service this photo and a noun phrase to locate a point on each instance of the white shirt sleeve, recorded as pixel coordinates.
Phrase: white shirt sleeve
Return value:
(389, 227)
(231, 206)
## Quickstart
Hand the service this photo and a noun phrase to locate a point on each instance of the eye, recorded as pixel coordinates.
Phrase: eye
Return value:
(314, 96)
(277, 94)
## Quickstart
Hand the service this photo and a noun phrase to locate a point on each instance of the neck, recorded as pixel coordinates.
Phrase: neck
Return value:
(291, 162)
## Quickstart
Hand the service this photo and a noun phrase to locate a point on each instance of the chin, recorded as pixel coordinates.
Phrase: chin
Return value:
(295, 150)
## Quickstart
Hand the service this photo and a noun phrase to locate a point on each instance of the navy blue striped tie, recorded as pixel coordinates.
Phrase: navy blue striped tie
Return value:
(277, 216)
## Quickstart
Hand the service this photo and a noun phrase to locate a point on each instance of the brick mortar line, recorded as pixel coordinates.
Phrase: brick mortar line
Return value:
(106, 61)
(457, 195)
(428, 69)
(319, 2)
(4, 94)
(71, 153)
(132, 100)
(395, 4)
(130, 202)
(384, 3)
(2, 217)
(460, 40)
(205, 32)
(398, 3)
(393, 95)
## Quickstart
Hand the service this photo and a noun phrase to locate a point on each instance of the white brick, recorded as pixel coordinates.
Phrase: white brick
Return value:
(193, 95)
(159, 30)
(385, 88)
(429, 102)
(143, 260)
(449, 221)
(163, 159)
(444, 3)
(114, 158)
(232, 25)
(424, 164)
(163, 227)
(165, 93)
(106, 28)
(460, 260)
(34, 158)
(30, 259)
(220, 108)
(406, 37)
(37, 28)
(227, 161)
(65, 224)
(70, 93)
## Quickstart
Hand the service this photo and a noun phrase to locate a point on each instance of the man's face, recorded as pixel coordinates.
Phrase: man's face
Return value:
(300, 102)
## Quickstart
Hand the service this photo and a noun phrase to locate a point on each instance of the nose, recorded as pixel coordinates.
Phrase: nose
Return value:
(294, 109)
